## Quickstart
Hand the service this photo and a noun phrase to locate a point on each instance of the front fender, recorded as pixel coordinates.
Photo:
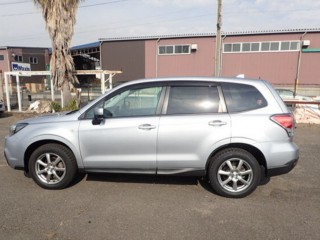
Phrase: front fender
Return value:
(49, 138)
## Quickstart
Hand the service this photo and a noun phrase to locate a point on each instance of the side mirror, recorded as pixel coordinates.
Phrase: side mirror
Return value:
(98, 116)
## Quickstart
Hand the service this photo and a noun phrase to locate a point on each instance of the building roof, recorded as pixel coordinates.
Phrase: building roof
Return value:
(190, 35)
(87, 45)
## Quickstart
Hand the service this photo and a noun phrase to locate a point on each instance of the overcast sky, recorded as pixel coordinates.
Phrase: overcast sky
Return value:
(21, 22)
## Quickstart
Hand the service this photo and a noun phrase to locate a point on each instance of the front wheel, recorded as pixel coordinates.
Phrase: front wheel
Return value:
(52, 166)
(234, 173)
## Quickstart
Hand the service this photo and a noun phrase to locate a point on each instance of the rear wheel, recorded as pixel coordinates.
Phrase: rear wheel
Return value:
(234, 173)
(52, 166)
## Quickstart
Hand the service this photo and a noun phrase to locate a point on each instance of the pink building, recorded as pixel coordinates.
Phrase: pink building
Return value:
(281, 57)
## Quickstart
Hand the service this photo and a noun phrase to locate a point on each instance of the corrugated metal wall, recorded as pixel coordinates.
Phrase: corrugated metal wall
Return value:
(139, 58)
(198, 63)
(128, 56)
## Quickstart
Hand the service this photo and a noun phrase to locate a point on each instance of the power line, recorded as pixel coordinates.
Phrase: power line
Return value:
(271, 11)
(98, 4)
(117, 27)
(30, 13)
(19, 14)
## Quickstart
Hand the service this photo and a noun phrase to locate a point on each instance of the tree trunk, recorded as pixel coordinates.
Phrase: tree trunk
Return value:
(66, 94)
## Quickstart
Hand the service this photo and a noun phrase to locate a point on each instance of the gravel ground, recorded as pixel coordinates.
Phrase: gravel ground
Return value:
(105, 206)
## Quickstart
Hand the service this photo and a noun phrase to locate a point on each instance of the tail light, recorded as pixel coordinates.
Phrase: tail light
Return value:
(286, 121)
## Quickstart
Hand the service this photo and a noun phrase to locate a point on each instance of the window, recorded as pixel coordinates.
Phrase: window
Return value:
(261, 46)
(162, 49)
(33, 60)
(18, 58)
(174, 49)
(1, 57)
(246, 47)
(236, 47)
(249, 47)
(193, 100)
(265, 46)
(242, 97)
(294, 45)
(274, 46)
(285, 46)
(133, 102)
(182, 49)
(255, 47)
(227, 47)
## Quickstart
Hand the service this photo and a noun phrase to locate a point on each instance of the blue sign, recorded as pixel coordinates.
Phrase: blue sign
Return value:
(21, 66)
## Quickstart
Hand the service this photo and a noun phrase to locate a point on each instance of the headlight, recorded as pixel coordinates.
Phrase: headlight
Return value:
(16, 128)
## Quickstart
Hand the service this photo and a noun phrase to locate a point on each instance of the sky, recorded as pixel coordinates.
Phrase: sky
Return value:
(22, 24)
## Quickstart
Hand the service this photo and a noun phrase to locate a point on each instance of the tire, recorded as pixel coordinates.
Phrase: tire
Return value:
(234, 173)
(52, 166)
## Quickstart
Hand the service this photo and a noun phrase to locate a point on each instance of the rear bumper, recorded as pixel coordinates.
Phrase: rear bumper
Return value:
(282, 169)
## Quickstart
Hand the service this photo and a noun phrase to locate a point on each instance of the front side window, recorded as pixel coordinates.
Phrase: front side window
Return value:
(130, 103)
(242, 97)
(193, 100)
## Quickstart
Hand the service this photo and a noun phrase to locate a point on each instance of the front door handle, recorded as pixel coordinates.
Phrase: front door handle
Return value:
(217, 123)
(146, 126)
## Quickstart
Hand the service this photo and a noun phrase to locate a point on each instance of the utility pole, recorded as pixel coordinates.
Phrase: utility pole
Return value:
(218, 41)
(1, 87)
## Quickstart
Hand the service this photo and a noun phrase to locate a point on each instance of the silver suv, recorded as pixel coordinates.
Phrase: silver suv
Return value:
(235, 132)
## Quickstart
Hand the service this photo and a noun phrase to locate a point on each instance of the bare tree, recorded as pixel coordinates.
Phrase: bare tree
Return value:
(60, 17)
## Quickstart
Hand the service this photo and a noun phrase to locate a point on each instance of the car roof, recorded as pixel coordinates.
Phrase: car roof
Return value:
(196, 79)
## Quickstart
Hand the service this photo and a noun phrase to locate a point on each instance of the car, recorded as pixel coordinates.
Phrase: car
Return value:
(232, 132)
(2, 107)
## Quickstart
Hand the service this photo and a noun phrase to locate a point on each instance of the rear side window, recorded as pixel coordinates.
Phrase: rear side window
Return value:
(193, 100)
(242, 97)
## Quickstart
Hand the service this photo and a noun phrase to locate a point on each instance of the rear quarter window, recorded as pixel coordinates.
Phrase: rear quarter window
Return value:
(242, 97)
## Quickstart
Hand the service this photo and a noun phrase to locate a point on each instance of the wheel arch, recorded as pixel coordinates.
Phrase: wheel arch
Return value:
(32, 147)
(251, 149)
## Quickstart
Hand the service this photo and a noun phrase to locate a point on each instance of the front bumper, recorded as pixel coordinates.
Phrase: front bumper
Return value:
(12, 153)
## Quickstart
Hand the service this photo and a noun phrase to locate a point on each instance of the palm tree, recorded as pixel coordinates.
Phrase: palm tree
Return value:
(60, 17)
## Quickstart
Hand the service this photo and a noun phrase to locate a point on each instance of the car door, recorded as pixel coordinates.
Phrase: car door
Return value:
(125, 141)
(194, 124)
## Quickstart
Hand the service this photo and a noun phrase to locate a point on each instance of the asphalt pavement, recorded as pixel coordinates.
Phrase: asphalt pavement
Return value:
(107, 206)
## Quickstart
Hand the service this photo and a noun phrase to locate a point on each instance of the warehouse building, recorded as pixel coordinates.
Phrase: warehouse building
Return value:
(285, 58)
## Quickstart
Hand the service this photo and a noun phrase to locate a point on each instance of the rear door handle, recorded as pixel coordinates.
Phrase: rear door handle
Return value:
(146, 127)
(217, 123)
